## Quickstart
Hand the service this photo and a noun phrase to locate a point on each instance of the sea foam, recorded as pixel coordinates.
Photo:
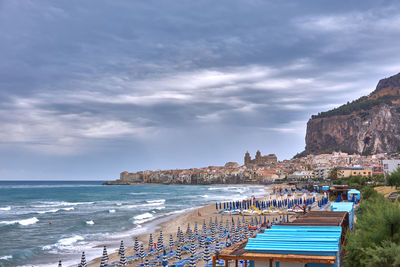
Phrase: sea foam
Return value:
(90, 222)
(8, 257)
(24, 222)
(139, 219)
(6, 208)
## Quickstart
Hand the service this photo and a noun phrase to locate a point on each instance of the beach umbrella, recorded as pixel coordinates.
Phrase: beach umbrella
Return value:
(121, 247)
(122, 259)
(188, 230)
(103, 262)
(105, 254)
(141, 252)
(210, 223)
(216, 205)
(136, 245)
(192, 262)
(216, 221)
(178, 254)
(59, 263)
(150, 242)
(195, 230)
(146, 262)
(204, 226)
(212, 236)
(201, 241)
(83, 260)
(217, 247)
(160, 244)
(227, 225)
(178, 233)
(164, 259)
(192, 249)
(206, 255)
(171, 241)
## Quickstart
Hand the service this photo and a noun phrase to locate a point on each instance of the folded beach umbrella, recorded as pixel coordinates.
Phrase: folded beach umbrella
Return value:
(164, 259)
(188, 230)
(160, 244)
(212, 236)
(146, 262)
(227, 225)
(217, 248)
(202, 241)
(178, 254)
(196, 229)
(59, 263)
(178, 233)
(161, 238)
(206, 255)
(105, 254)
(141, 252)
(150, 242)
(121, 247)
(122, 259)
(192, 262)
(192, 249)
(136, 245)
(83, 260)
(204, 226)
(171, 241)
(216, 221)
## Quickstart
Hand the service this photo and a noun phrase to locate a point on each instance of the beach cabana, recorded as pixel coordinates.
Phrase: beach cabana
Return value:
(355, 193)
(345, 206)
(285, 246)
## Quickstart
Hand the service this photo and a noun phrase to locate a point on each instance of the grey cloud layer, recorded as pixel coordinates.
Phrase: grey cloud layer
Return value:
(79, 76)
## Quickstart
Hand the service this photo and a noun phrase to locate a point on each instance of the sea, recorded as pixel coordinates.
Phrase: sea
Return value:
(42, 222)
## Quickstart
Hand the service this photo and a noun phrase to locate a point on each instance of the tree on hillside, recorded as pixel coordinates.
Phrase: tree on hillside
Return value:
(393, 179)
(333, 174)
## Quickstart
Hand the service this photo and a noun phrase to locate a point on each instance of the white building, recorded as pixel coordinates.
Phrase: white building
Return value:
(390, 165)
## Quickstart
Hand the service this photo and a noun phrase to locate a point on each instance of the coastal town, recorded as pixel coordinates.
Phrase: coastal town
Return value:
(266, 169)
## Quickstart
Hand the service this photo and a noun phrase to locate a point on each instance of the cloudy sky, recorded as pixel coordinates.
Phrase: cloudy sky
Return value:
(90, 88)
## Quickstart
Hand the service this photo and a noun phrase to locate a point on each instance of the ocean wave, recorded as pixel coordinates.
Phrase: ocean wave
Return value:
(69, 240)
(156, 201)
(8, 257)
(139, 219)
(111, 211)
(24, 222)
(90, 222)
(6, 208)
(138, 193)
(60, 203)
(47, 211)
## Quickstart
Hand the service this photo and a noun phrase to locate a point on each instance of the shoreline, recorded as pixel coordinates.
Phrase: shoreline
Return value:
(169, 224)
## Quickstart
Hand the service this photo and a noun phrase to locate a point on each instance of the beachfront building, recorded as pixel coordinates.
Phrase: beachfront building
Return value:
(390, 165)
(322, 172)
(313, 240)
(353, 171)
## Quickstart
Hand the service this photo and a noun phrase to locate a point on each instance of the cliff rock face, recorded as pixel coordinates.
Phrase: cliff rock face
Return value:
(366, 126)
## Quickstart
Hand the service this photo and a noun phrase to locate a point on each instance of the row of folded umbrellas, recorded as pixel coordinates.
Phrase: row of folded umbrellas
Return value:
(210, 239)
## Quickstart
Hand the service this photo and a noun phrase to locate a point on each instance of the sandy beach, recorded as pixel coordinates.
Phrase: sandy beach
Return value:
(171, 225)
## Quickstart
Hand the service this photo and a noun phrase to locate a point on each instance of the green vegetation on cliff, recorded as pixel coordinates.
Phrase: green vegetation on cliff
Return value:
(361, 104)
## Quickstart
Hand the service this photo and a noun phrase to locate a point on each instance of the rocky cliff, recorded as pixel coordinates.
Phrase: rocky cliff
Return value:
(367, 125)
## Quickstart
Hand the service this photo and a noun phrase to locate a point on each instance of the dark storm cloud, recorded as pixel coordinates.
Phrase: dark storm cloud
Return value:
(164, 84)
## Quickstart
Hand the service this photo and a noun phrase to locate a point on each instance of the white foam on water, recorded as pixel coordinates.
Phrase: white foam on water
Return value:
(24, 222)
(139, 219)
(60, 203)
(118, 204)
(156, 201)
(6, 208)
(69, 240)
(205, 196)
(111, 211)
(90, 222)
(47, 211)
(8, 257)
(70, 208)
